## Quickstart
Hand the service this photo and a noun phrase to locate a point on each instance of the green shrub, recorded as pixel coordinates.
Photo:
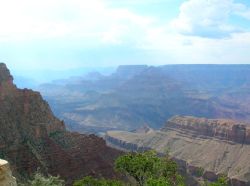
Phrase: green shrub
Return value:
(89, 181)
(199, 172)
(222, 181)
(40, 180)
(148, 169)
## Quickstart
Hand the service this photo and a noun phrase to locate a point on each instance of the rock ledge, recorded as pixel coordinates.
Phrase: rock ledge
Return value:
(6, 178)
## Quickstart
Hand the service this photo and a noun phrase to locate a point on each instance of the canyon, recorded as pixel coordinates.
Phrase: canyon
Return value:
(205, 148)
(32, 138)
(135, 95)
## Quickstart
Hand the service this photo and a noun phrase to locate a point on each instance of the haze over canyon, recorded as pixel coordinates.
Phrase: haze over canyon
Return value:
(139, 95)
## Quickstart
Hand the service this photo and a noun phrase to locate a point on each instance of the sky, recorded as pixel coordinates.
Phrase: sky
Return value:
(64, 35)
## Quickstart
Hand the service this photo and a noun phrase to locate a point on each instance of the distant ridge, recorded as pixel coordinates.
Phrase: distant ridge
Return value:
(135, 95)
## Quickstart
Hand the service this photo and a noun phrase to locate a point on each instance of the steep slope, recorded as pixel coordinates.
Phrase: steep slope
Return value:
(32, 137)
(204, 147)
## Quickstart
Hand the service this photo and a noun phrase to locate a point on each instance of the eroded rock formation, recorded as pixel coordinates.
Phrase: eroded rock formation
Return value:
(32, 137)
(135, 95)
(219, 128)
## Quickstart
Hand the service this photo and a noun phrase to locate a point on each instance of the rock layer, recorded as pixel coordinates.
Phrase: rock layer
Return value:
(205, 148)
(219, 128)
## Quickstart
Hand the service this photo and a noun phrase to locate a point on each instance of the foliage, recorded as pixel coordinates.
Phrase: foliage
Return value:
(40, 180)
(89, 181)
(222, 181)
(199, 172)
(158, 182)
(149, 169)
(146, 168)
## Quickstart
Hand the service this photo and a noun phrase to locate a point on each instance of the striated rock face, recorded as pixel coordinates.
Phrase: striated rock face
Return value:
(31, 137)
(205, 148)
(219, 128)
(6, 178)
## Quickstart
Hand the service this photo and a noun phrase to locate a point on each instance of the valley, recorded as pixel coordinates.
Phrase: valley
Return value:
(207, 124)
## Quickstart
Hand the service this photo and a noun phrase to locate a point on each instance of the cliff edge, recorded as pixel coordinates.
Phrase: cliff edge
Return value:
(223, 129)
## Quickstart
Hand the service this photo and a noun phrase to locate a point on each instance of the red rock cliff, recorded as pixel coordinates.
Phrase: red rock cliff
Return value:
(32, 137)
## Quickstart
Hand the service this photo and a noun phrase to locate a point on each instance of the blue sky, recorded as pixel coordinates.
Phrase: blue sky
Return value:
(63, 35)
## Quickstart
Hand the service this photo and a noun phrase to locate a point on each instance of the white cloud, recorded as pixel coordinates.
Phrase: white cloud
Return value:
(208, 18)
(63, 33)
(29, 19)
(126, 27)
(178, 48)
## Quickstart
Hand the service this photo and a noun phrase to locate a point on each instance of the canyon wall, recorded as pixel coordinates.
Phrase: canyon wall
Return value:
(33, 138)
(204, 148)
(219, 128)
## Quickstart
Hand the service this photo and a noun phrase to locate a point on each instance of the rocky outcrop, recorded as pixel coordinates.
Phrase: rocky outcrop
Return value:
(6, 178)
(124, 145)
(219, 128)
(143, 129)
(204, 148)
(32, 137)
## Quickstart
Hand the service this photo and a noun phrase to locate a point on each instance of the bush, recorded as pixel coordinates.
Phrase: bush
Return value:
(222, 181)
(149, 169)
(40, 180)
(89, 181)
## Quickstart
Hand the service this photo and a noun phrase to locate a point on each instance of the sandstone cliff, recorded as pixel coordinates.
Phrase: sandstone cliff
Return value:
(6, 178)
(32, 137)
(219, 128)
(205, 148)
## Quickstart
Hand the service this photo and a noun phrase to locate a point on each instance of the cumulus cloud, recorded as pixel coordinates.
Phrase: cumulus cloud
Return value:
(208, 18)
